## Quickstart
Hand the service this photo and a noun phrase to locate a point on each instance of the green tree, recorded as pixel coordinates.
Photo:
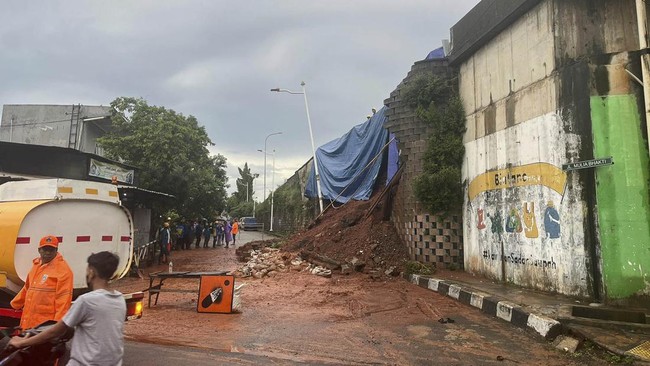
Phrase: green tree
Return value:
(438, 104)
(170, 150)
(241, 202)
(244, 184)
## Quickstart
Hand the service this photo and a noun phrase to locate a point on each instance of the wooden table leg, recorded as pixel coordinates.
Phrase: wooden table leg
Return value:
(150, 283)
(159, 289)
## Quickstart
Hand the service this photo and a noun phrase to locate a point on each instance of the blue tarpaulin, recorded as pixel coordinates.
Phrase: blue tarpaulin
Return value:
(341, 162)
(436, 54)
(393, 158)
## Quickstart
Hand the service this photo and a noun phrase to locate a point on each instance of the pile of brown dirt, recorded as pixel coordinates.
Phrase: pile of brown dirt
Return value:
(347, 235)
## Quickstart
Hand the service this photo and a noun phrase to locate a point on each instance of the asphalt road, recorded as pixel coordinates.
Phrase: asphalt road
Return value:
(144, 354)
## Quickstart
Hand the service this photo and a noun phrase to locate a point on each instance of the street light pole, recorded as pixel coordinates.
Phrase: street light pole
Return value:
(272, 190)
(265, 140)
(311, 136)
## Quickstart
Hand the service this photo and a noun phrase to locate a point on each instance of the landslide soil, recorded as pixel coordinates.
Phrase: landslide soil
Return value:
(347, 232)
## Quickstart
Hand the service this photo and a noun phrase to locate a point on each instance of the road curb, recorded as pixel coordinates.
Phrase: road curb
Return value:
(500, 308)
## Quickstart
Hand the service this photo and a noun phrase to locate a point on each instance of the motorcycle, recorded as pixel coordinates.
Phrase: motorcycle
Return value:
(47, 354)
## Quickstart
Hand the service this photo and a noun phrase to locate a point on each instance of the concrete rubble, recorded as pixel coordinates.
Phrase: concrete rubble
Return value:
(268, 262)
(262, 261)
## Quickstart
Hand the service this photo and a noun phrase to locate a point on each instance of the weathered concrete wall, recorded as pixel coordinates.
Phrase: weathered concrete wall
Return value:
(593, 27)
(622, 194)
(538, 95)
(37, 125)
(622, 191)
(507, 81)
(50, 125)
(429, 238)
(593, 44)
(523, 218)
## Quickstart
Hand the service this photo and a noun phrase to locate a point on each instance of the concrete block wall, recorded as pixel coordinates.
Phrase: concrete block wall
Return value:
(436, 240)
(429, 238)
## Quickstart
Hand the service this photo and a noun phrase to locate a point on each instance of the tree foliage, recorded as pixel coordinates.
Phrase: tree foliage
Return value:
(438, 104)
(291, 211)
(170, 150)
(244, 183)
(240, 203)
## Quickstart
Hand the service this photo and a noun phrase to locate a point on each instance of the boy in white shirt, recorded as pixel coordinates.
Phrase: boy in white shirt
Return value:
(97, 318)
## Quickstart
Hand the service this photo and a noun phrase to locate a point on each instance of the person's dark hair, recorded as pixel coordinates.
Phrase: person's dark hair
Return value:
(105, 263)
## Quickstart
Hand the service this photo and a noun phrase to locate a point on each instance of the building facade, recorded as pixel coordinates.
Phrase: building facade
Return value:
(549, 98)
(72, 126)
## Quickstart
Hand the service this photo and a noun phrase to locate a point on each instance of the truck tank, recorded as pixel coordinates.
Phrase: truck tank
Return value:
(87, 217)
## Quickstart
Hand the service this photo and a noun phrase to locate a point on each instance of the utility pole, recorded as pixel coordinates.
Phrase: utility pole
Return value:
(272, 190)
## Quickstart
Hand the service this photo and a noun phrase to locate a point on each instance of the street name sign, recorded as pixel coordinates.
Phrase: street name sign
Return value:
(588, 164)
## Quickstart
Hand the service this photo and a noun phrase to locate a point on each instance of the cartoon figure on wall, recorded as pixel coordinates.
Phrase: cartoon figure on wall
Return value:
(530, 223)
(513, 222)
(481, 222)
(497, 223)
(551, 221)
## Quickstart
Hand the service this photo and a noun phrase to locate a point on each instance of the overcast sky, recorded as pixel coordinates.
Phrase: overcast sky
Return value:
(217, 60)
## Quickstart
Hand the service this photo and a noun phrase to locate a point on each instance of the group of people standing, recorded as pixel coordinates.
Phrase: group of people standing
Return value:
(186, 233)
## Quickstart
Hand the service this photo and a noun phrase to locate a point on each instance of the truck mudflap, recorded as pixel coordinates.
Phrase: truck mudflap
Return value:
(134, 305)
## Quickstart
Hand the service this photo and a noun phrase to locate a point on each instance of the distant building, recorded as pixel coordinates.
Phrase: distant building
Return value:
(73, 126)
(60, 141)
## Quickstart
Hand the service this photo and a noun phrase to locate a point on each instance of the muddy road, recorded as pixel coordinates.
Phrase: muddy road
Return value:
(297, 317)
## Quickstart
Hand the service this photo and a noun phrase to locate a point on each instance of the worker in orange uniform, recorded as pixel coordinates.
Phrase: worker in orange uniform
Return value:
(235, 231)
(47, 293)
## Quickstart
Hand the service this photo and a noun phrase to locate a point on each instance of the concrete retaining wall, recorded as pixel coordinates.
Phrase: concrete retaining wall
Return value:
(428, 237)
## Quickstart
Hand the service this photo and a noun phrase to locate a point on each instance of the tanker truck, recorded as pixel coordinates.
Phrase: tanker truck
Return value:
(86, 217)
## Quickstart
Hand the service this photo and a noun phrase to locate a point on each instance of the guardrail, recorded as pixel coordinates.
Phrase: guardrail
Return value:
(144, 254)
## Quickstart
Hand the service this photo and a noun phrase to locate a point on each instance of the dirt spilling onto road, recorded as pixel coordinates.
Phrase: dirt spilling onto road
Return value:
(348, 232)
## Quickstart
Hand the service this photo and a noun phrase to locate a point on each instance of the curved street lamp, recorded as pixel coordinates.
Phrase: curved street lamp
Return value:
(272, 184)
(311, 136)
(265, 141)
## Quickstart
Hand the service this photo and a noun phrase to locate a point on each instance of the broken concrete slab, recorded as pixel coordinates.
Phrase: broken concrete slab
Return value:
(567, 343)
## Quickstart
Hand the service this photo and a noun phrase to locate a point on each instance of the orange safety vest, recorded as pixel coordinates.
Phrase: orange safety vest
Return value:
(47, 293)
(235, 228)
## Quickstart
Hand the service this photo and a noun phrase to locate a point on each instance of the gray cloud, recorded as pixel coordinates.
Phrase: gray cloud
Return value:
(217, 60)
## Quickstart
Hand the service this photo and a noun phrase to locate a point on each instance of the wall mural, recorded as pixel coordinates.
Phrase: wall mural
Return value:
(552, 221)
(514, 223)
(517, 220)
(524, 219)
(529, 220)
